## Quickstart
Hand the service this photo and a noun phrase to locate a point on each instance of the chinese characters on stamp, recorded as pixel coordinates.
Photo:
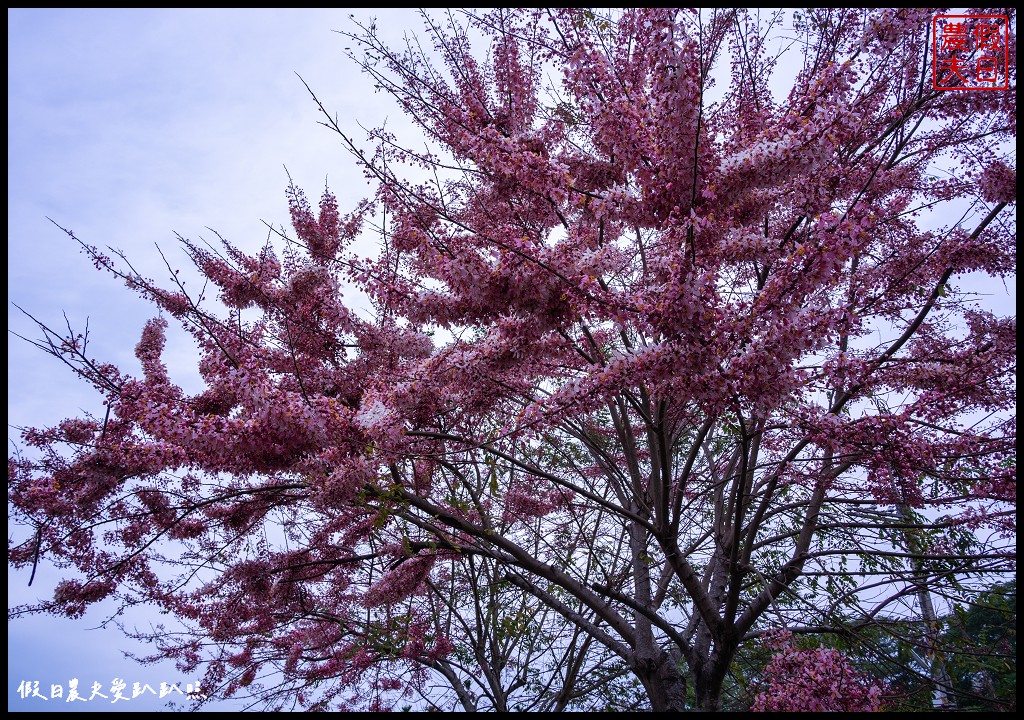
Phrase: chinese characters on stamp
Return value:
(970, 52)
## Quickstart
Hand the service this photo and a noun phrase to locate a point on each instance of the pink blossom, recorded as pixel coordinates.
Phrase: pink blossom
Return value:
(400, 582)
(814, 680)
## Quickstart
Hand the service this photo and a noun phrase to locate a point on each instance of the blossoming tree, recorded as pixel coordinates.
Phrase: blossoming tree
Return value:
(668, 350)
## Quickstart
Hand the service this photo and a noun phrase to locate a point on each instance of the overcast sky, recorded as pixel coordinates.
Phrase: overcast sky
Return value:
(127, 126)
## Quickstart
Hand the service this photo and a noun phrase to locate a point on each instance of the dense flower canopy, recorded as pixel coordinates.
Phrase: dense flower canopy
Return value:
(653, 366)
(819, 680)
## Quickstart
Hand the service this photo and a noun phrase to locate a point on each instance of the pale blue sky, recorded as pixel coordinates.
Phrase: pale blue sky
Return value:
(127, 126)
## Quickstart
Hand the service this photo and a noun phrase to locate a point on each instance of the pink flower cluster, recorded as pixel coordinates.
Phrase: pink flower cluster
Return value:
(400, 582)
(998, 183)
(522, 503)
(814, 680)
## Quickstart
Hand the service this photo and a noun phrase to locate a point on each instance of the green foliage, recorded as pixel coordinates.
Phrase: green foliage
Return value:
(978, 641)
(983, 655)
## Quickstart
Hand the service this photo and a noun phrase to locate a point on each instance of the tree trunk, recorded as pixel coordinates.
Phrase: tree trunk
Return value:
(708, 673)
(707, 687)
(942, 683)
(665, 685)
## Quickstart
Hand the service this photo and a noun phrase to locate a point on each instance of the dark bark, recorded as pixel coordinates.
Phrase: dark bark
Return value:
(664, 683)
